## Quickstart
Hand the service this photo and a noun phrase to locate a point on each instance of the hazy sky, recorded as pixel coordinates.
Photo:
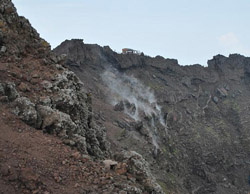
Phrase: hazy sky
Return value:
(191, 31)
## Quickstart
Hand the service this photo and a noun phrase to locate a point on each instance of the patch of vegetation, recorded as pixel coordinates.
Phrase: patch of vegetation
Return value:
(163, 186)
(171, 178)
(197, 131)
(175, 151)
(45, 43)
(152, 86)
(197, 135)
(212, 131)
(123, 133)
(230, 103)
(2, 24)
(163, 149)
(220, 123)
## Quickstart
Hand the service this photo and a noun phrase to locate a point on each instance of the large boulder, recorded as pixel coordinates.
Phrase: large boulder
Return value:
(55, 121)
(139, 168)
(2, 91)
(26, 110)
(9, 90)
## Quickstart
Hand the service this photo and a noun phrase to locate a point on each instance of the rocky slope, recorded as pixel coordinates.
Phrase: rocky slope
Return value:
(191, 123)
(50, 142)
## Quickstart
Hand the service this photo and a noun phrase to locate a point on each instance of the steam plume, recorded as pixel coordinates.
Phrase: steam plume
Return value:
(138, 100)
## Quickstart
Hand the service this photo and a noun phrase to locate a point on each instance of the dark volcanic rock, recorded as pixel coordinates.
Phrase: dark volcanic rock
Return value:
(17, 37)
(204, 146)
(139, 167)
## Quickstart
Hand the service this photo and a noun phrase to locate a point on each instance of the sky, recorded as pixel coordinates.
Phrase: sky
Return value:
(191, 31)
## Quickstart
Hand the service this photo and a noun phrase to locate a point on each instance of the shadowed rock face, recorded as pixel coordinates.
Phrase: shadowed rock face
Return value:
(201, 143)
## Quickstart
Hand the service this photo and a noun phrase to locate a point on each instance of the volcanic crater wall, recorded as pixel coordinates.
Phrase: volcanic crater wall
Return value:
(201, 114)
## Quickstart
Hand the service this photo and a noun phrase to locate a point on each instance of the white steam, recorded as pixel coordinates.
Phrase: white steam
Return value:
(139, 101)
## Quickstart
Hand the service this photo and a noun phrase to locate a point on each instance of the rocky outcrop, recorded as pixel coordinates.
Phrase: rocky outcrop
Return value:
(199, 141)
(15, 29)
(139, 168)
(26, 110)
(41, 92)
(8, 91)
(80, 54)
(67, 114)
